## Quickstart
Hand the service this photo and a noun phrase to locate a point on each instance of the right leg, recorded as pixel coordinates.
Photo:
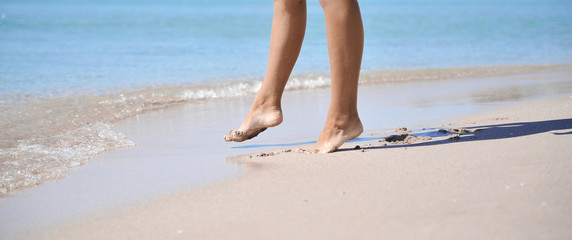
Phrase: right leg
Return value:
(288, 28)
(344, 29)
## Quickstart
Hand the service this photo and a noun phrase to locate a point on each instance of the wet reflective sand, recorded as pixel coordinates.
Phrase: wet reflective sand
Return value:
(182, 147)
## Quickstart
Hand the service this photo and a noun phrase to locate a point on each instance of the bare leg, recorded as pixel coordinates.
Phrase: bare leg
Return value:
(288, 28)
(345, 46)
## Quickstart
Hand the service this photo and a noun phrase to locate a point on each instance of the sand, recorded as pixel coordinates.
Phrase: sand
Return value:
(180, 148)
(508, 176)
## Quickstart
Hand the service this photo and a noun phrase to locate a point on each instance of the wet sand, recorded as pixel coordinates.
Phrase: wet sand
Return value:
(404, 188)
(501, 174)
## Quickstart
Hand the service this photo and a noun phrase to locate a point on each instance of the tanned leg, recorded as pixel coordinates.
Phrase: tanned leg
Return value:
(345, 46)
(288, 28)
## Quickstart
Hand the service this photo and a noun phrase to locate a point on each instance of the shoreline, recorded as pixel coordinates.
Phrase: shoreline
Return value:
(507, 180)
(75, 129)
(498, 182)
(167, 161)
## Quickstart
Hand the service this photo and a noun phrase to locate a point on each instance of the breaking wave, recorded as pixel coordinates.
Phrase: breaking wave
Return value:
(43, 137)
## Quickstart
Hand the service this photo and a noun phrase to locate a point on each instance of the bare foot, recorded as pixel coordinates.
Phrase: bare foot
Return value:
(255, 122)
(336, 133)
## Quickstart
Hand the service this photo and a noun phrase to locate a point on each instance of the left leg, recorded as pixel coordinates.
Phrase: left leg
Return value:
(345, 47)
(288, 28)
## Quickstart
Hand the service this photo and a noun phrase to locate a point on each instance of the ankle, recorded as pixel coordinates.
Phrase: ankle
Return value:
(266, 104)
(343, 120)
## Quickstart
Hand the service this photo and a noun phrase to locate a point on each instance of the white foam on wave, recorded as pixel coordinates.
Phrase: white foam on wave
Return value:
(305, 83)
(45, 137)
(226, 90)
(238, 89)
(28, 164)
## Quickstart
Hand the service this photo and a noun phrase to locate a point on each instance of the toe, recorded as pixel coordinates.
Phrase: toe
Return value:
(233, 135)
(227, 138)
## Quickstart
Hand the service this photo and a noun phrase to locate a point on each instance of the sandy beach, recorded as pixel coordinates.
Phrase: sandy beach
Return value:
(501, 174)
(112, 117)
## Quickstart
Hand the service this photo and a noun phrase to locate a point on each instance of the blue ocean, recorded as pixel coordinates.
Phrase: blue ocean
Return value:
(64, 46)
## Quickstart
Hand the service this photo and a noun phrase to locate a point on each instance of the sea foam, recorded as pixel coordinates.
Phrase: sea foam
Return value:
(43, 137)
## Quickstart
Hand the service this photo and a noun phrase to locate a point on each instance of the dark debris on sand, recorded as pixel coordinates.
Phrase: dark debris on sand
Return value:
(455, 133)
(405, 139)
(403, 136)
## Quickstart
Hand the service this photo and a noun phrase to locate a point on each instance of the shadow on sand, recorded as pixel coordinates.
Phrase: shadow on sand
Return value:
(441, 136)
(477, 133)
(492, 132)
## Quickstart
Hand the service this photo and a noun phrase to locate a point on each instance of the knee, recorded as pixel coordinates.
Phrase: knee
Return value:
(290, 5)
(338, 3)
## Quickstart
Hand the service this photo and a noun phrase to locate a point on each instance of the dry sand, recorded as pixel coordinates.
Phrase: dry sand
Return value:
(511, 179)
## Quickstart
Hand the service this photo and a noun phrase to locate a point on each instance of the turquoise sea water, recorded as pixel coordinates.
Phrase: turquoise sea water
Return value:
(63, 46)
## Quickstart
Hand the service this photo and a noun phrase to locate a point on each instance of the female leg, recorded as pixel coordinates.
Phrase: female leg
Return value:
(345, 46)
(288, 28)
(344, 30)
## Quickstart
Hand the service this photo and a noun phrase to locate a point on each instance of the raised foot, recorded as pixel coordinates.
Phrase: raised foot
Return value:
(333, 136)
(255, 122)
(239, 136)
